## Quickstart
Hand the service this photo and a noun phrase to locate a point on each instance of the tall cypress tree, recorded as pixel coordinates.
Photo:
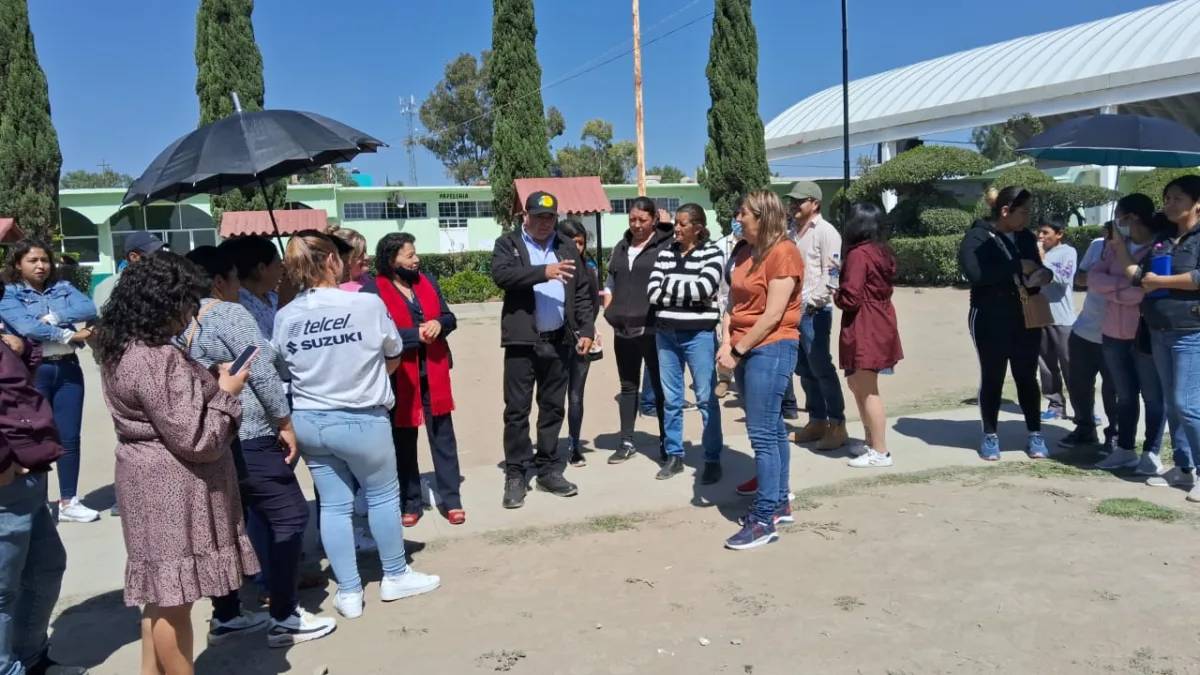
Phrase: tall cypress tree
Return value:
(30, 159)
(735, 160)
(228, 61)
(520, 147)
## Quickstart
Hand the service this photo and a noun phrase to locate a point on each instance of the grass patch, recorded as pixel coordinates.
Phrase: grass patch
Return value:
(847, 603)
(545, 535)
(1131, 508)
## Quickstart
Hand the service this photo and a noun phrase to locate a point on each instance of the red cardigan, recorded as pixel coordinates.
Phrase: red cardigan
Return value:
(870, 338)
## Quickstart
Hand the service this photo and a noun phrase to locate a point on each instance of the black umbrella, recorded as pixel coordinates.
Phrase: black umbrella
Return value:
(247, 149)
(1117, 140)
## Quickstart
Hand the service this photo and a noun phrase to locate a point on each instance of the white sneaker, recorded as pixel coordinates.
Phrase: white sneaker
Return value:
(299, 627)
(408, 584)
(871, 459)
(246, 622)
(363, 543)
(349, 605)
(1119, 459)
(1194, 494)
(1149, 465)
(1175, 476)
(75, 512)
(360, 503)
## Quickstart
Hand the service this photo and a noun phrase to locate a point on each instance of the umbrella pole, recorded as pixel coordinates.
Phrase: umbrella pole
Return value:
(271, 212)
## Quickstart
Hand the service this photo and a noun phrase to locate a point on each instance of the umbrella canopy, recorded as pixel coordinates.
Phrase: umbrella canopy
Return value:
(247, 149)
(1117, 140)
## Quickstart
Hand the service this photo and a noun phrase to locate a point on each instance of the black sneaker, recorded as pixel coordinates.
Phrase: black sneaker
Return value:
(514, 493)
(791, 415)
(673, 465)
(689, 406)
(577, 458)
(712, 473)
(246, 622)
(1079, 437)
(556, 485)
(622, 455)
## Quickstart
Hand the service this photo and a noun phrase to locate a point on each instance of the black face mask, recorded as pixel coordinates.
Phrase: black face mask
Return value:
(410, 276)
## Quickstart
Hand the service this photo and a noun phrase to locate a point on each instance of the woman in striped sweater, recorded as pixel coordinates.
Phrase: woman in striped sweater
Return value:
(684, 287)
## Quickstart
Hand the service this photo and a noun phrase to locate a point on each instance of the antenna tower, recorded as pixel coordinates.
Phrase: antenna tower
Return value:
(409, 110)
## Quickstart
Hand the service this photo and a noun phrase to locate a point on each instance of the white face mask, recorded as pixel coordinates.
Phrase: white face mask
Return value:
(1123, 229)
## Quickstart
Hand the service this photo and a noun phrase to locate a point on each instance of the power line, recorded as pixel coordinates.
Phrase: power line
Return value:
(580, 72)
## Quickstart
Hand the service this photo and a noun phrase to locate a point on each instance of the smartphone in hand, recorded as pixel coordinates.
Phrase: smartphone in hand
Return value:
(243, 359)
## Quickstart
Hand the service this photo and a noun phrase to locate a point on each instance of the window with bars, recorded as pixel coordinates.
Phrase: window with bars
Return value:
(454, 214)
(671, 204)
(383, 211)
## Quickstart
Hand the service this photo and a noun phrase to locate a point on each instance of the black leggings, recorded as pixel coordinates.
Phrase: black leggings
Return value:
(630, 353)
(577, 373)
(1001, 339)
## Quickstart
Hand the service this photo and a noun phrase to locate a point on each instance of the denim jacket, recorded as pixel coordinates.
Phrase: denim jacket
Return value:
(22, 309)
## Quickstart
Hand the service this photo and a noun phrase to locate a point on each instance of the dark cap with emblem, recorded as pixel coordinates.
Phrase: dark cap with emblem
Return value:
(541, 202)
(142, 241)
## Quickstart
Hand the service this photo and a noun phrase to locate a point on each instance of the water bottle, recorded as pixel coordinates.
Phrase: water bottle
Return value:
(834, 270)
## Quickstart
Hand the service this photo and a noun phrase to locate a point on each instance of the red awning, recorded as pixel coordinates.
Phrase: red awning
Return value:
(575, 195)
(247, 223)
(9, 232)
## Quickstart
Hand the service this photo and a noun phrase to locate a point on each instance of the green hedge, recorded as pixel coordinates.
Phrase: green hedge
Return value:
(470, 286)
(1152, 183)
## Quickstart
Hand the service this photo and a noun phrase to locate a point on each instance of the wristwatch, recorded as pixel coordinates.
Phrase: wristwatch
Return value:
(733, 351)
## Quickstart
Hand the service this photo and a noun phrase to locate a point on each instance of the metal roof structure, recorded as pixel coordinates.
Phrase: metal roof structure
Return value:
(1146, 62)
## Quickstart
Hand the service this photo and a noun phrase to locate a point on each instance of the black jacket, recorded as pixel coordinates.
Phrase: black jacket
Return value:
(990, 262)
(630, 312)
(516, 276)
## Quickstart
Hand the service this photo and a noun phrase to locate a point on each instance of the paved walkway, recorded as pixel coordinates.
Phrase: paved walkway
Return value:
(919, 442)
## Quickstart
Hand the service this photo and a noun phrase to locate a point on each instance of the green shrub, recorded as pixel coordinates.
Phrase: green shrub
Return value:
(940, 222)
(927, 261)
(1049, 197)
(1081, 237)
(905, 219)
(80, 278)
(921, 166)
(1152, 183)
(469, 286)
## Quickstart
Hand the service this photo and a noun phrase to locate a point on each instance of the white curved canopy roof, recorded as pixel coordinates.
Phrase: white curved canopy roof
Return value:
(1146, 61)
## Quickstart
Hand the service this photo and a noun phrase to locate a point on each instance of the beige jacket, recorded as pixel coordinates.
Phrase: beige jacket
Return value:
(818, 243)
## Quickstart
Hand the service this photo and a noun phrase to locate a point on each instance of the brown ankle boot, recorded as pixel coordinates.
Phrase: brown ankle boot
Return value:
(813, 431)
(835, 437)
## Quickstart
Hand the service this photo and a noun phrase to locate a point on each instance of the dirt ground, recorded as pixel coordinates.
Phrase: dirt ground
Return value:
(939, 371)
(999, 569)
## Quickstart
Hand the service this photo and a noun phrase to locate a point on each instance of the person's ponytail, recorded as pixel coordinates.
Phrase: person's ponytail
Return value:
(306, 259)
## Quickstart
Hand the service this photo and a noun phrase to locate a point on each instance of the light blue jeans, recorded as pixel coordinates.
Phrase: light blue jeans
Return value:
(697, 350)
(1177, 357)
(32, 562)
(339, 447)
(762, 378)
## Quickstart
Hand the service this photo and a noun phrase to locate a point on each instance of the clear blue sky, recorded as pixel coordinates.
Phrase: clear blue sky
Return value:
(122, 72)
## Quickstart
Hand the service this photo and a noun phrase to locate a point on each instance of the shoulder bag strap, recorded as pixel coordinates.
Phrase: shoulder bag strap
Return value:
(196, 326)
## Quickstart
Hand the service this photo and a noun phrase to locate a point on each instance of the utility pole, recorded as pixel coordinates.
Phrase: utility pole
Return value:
(845, 112)
(637, 100)
(409, 110)
(104, 167)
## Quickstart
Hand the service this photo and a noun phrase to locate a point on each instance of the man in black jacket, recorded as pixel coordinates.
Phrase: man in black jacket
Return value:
(546, 314)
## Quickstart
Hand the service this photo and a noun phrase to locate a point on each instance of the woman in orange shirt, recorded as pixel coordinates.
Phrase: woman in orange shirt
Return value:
(760, 343)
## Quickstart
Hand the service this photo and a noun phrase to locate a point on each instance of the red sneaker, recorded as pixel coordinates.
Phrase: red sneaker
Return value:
(410, 519)
(749, 488)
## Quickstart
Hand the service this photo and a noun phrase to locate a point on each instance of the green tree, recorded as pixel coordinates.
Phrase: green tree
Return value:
(455, 116)
(735, 159)
(998, 142)
(556, 124)
(228, 62)
(667, 173)
(30, 159)
(82, 179)
(520, 147)
(1152, 183)
(864, 163)
(599, 155)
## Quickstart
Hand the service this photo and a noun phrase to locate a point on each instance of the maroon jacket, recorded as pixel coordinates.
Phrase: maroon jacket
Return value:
(870, 338)
(28, 436)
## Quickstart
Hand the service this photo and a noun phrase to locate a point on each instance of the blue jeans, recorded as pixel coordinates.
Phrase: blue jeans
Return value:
(1177, 357)
(61, 382)
(1135, 375)
(818, 374)
(698, 351)
(646, 398)
(762, 378)
(339, 447)
(32, 562)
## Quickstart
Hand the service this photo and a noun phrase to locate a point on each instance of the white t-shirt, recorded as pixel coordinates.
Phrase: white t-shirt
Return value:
(333, 346)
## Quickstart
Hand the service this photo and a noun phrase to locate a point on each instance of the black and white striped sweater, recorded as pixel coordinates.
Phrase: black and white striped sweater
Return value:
(684, 287)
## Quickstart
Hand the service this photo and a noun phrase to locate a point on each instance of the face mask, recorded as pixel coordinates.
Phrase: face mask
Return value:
(1123, 229)
(405, 274)
(736, 229)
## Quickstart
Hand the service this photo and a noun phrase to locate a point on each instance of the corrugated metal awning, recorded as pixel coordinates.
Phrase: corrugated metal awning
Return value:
(247, 223)
(9, 232)
(575, 195)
